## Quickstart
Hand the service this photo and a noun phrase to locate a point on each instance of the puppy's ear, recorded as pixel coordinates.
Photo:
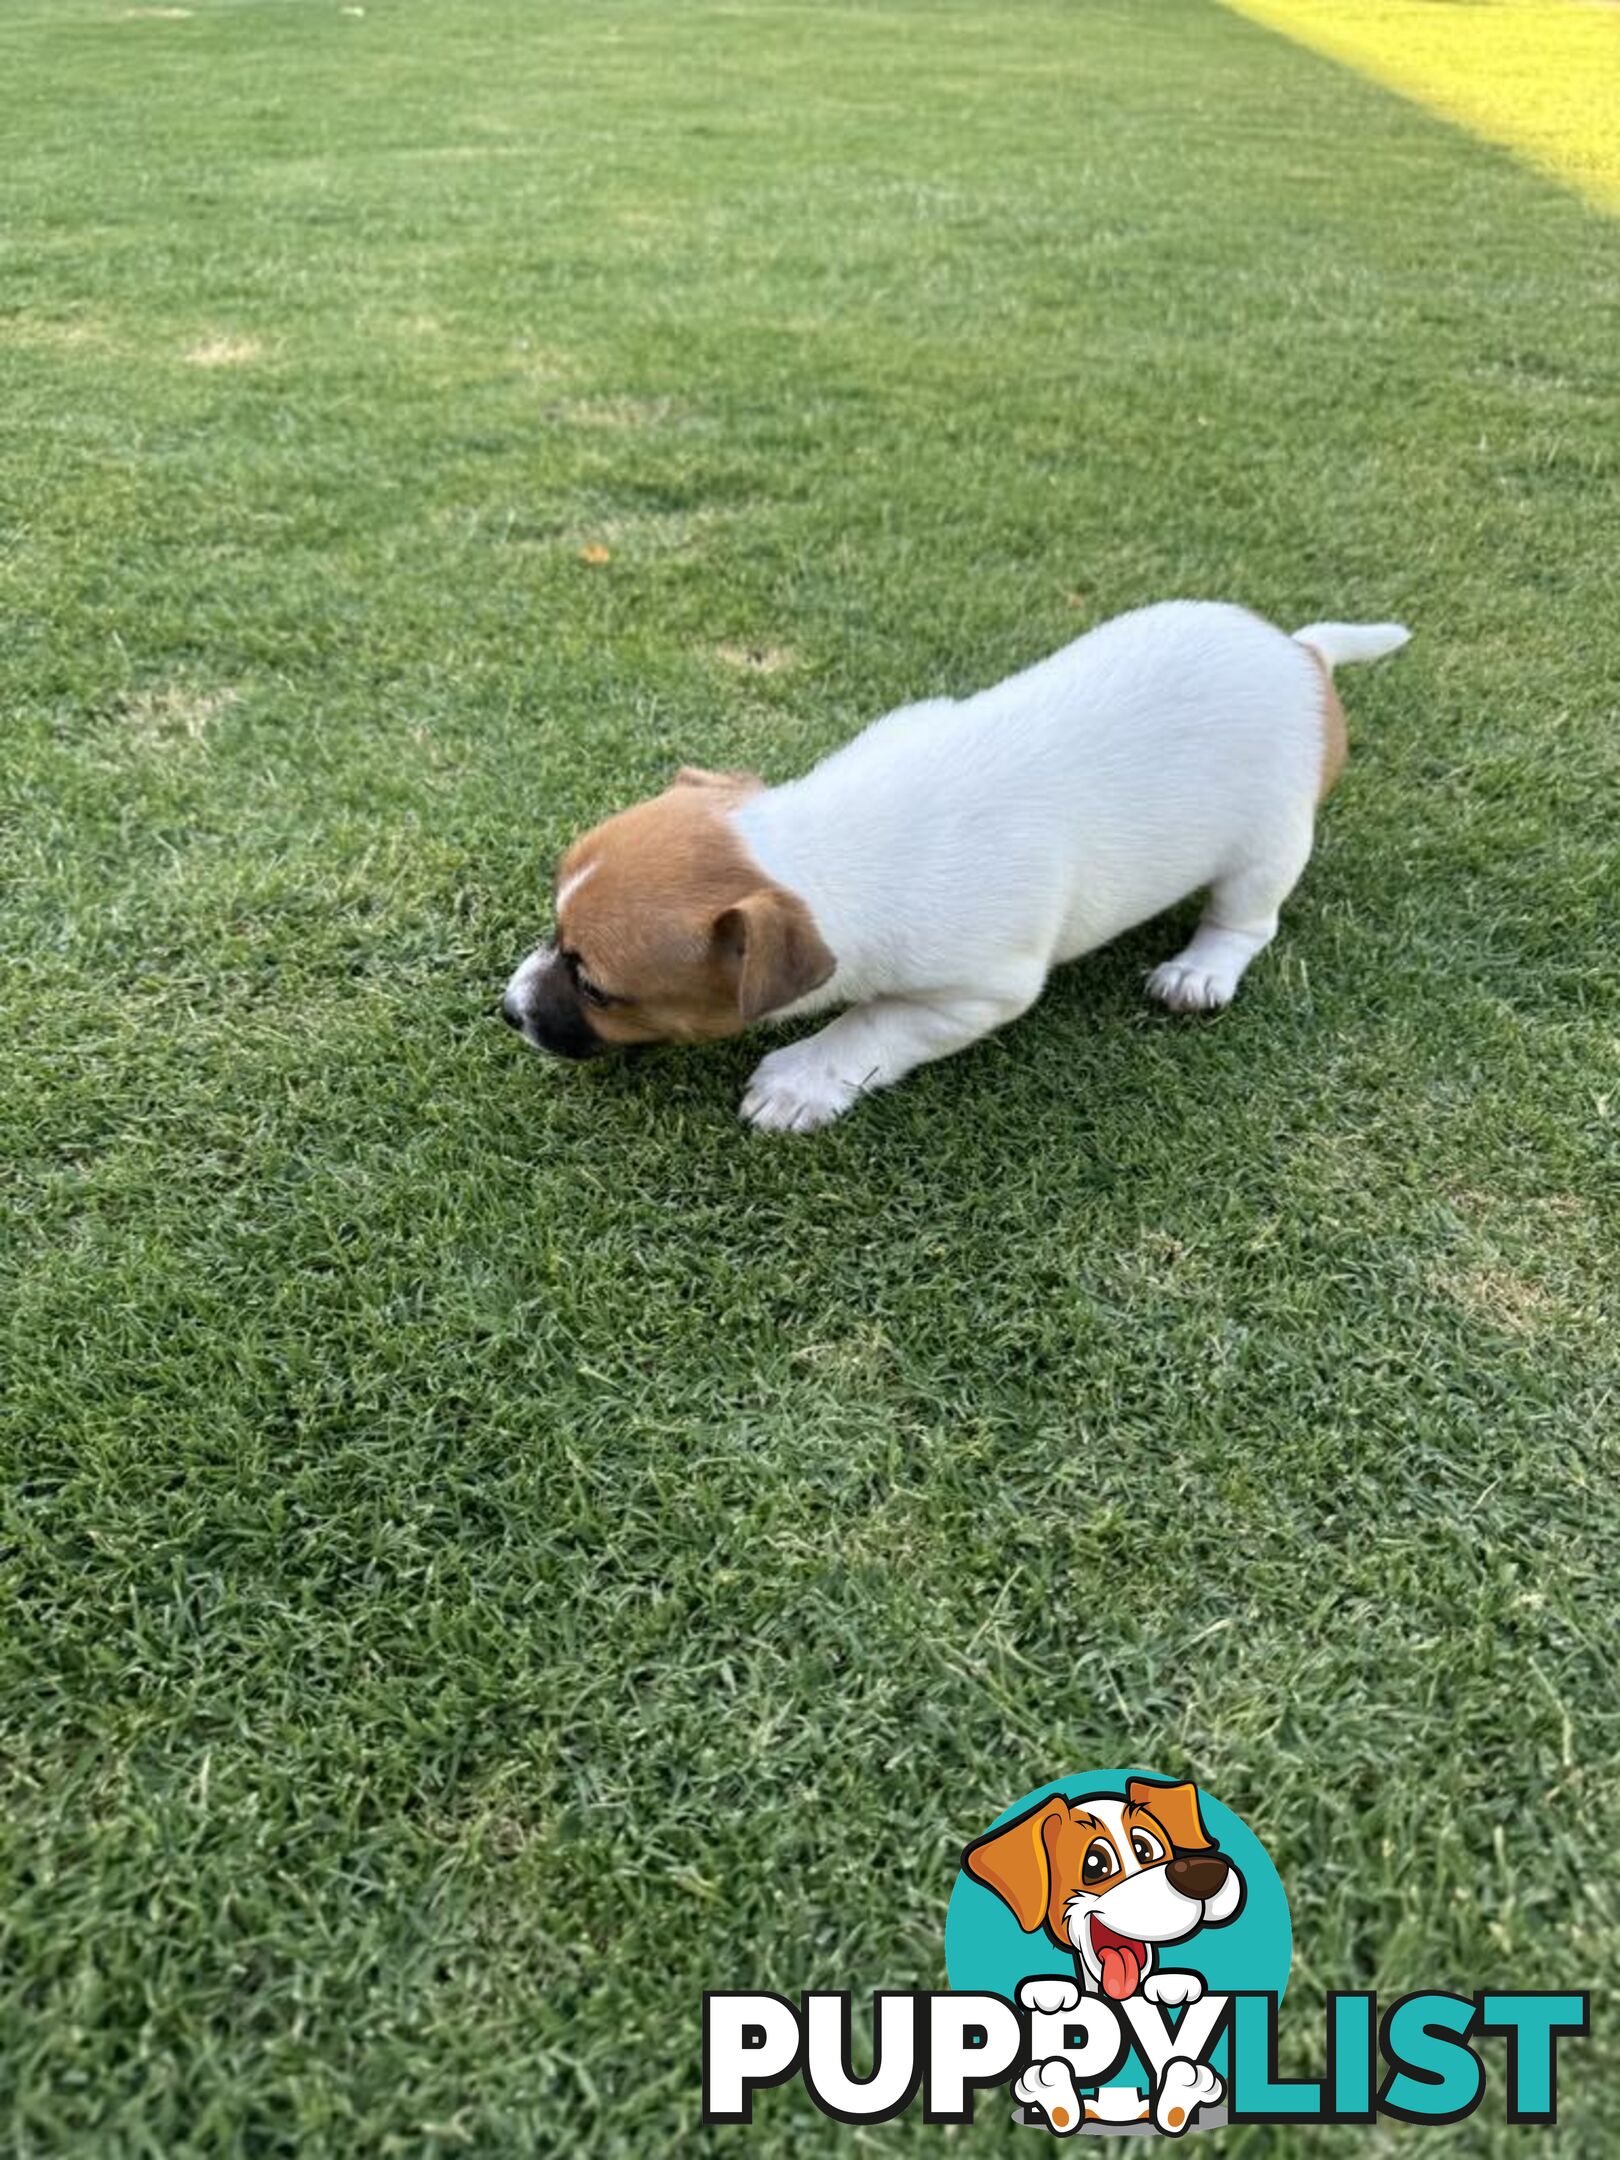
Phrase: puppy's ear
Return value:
(772, 942)
(735, 783)
(1016, 1862)
(1176, 1807)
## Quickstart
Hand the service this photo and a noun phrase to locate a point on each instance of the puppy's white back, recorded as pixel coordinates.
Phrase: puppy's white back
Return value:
(1150, 758)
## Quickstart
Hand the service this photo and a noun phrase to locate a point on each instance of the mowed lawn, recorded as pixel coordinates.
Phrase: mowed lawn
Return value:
(493, 1549)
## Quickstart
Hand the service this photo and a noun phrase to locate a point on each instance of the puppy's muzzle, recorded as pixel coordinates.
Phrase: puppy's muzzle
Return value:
(542, 1003)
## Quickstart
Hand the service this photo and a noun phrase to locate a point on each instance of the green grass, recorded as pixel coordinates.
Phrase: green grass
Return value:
(494, 1549)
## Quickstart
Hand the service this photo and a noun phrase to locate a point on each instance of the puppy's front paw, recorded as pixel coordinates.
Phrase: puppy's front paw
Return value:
(1173, 1987)
(1049, 1994)
(1050, 2087)
(796, 1089)
(1184, 2088)
(1191, 989)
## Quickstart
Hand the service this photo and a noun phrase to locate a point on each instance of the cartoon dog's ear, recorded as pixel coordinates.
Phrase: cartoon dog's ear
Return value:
(1176, 1807)
(1016, 1863)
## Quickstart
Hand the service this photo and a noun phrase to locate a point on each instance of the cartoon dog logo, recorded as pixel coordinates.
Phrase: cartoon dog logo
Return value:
(1113, 1880)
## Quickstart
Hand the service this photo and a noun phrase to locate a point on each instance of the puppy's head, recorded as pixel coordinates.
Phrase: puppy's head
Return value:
(665, 930)
(1111, 1878)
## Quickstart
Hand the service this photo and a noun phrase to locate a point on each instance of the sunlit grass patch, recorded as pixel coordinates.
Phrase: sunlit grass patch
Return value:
(1541, 77)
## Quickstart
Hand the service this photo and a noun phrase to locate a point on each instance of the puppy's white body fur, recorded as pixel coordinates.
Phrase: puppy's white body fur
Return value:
(957, 850)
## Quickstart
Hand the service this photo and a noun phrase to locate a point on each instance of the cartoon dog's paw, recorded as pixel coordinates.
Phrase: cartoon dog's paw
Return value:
(797, 1089)
(1049, 1994)
(1173, 1987)
(1050, 2087)
(1184, 2088)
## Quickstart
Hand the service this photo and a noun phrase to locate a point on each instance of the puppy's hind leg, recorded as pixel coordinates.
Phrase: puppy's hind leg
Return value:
(1239, 921)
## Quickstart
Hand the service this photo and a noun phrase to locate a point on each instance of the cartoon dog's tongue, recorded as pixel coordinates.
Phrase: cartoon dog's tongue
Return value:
(1121, 1960)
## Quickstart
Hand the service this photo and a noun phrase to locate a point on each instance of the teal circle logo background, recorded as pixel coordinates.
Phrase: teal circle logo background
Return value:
(986, 1950)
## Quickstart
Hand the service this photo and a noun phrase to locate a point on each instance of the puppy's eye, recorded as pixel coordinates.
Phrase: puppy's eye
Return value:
(1146, 1847)
(588, 991)
(1099, 1862)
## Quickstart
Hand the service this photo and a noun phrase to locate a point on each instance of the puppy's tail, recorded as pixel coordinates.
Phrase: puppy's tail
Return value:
(1335, 642)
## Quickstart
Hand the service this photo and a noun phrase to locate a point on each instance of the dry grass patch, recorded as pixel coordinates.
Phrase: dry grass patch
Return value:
(1557, 1206)
(32, 333)
(613, 412)
(224, 352)
(167, 714)
(757, 659)
(1504, 1299)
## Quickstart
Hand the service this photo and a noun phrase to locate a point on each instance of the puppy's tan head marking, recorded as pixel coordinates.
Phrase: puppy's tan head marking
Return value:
(668, 930)
(1172, 1810)
(1036, 1863)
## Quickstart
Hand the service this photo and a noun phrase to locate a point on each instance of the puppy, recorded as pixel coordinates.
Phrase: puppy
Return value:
(929, 875)
(1111, 1880)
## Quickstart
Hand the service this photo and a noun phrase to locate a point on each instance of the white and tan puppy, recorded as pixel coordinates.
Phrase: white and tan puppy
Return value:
(930, 874)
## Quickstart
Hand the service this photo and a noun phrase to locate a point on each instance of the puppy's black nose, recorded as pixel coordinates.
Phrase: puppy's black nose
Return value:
(566, 1036)
(510, 1014)
(1197, 1875)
